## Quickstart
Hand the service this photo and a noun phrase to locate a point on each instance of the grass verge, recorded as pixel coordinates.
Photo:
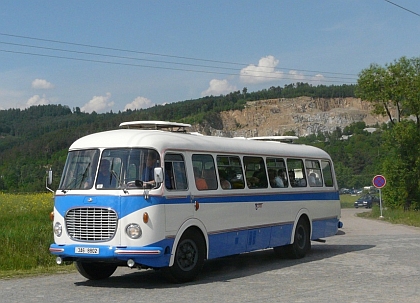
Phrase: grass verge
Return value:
(347, 201)
(26, 234)
(396, 216)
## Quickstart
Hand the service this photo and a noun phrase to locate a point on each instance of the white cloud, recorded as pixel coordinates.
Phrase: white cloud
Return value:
(263, 72)
(37, 100)
(218, 87)
(318, 78)
(139, 102)
(300, 77)
(295, 75)
(98, 104)
(42, 84)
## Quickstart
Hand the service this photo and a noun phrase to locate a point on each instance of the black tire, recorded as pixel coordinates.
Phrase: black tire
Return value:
(95, 270)
(302, 241)
(189, 258)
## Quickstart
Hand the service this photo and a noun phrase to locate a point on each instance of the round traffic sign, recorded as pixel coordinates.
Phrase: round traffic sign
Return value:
(379, 181)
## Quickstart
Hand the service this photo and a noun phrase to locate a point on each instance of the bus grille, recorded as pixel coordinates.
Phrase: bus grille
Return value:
(91, 224)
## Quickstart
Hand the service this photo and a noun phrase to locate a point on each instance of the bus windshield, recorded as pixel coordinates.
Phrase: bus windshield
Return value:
(79, 170)
(117, 168)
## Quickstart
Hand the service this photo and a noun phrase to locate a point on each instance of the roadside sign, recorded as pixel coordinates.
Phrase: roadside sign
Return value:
(379, 181)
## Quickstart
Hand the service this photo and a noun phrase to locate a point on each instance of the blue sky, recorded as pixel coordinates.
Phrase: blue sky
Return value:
(118, 55)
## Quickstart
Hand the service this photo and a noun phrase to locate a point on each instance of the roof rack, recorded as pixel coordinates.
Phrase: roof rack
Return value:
(284, 139)
(156, 125)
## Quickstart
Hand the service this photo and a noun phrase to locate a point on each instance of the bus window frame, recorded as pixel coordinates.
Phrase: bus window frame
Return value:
(315, 180)
(205, 163)
(327, 174)
(293, 170)
(280, 171)
(172, 178)
(233, 182)
(257, 166)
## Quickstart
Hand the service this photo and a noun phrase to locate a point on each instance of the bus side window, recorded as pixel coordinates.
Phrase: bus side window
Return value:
(313, 171)
(230, 172)
(204, 172)
(327, 173)
(277, 172)
(175, 175)
(297, 175)
(256, 175)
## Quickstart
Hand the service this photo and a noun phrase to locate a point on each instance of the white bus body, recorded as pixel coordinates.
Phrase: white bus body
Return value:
(175, 222)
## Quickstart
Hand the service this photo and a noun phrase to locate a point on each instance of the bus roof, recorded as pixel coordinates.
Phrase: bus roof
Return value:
(164, 140)
(286, 139)
(170, 126)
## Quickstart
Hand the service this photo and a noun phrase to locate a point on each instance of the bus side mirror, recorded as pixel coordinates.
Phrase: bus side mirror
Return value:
(49, 177)
(158, 174)
(48, 180)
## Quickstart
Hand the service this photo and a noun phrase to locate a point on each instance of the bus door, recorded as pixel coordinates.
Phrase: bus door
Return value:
(178, 206)
(259, 209)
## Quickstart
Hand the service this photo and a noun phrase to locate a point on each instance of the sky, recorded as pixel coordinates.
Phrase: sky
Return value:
(107, 56)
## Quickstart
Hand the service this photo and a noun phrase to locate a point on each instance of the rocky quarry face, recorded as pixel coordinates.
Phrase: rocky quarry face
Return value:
(303, 115)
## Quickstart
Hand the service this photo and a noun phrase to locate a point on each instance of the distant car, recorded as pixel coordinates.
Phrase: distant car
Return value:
(344, 191)
(366, 201)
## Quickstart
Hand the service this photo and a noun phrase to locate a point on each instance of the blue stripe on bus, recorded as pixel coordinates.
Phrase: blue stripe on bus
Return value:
(125, 205)
(305, 196)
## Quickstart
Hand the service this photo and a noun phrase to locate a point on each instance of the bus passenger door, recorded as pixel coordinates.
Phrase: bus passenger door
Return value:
(178, 208)
(259, 211)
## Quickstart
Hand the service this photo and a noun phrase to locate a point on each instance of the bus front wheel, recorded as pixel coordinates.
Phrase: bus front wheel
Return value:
(95, 270)
(189, 258)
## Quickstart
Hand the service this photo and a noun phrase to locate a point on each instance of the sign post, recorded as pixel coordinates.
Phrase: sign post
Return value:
(379, 181)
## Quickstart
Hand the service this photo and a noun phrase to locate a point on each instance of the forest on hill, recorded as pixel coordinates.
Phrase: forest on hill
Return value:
(34, 139)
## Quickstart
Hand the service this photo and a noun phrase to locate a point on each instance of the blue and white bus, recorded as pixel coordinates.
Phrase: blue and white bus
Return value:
(151, 195)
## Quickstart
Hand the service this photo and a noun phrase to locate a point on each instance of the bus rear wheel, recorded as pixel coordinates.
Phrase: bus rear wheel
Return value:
(189, 258)
(302, 241)
(95, 270)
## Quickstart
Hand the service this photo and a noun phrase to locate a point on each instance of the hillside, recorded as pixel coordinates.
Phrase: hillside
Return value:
(37, 138)
(302, 116)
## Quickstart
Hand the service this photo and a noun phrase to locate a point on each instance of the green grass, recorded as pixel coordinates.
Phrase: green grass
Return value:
(26, 234)
(396, 216)
(347, 201)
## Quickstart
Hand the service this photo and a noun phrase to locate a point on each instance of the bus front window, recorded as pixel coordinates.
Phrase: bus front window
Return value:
(121, 168)
(115, 169)
(79, 170)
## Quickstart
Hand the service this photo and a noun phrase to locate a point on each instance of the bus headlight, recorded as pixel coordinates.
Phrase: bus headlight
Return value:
(58, 229)
(133, 231)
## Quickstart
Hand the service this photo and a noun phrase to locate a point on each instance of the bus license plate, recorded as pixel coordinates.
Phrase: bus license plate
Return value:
(86, 250)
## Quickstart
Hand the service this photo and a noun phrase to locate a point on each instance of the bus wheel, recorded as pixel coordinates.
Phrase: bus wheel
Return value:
(95, 270)
(302, 242)
(189, 258)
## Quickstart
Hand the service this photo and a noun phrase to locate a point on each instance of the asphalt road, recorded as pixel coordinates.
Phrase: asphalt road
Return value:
(368, 261)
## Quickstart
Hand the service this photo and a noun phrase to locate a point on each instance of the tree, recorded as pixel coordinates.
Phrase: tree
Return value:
(394, 90)
(402, 167)
(395, 87)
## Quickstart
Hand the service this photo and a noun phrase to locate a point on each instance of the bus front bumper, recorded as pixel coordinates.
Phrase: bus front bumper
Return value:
(147, 256)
